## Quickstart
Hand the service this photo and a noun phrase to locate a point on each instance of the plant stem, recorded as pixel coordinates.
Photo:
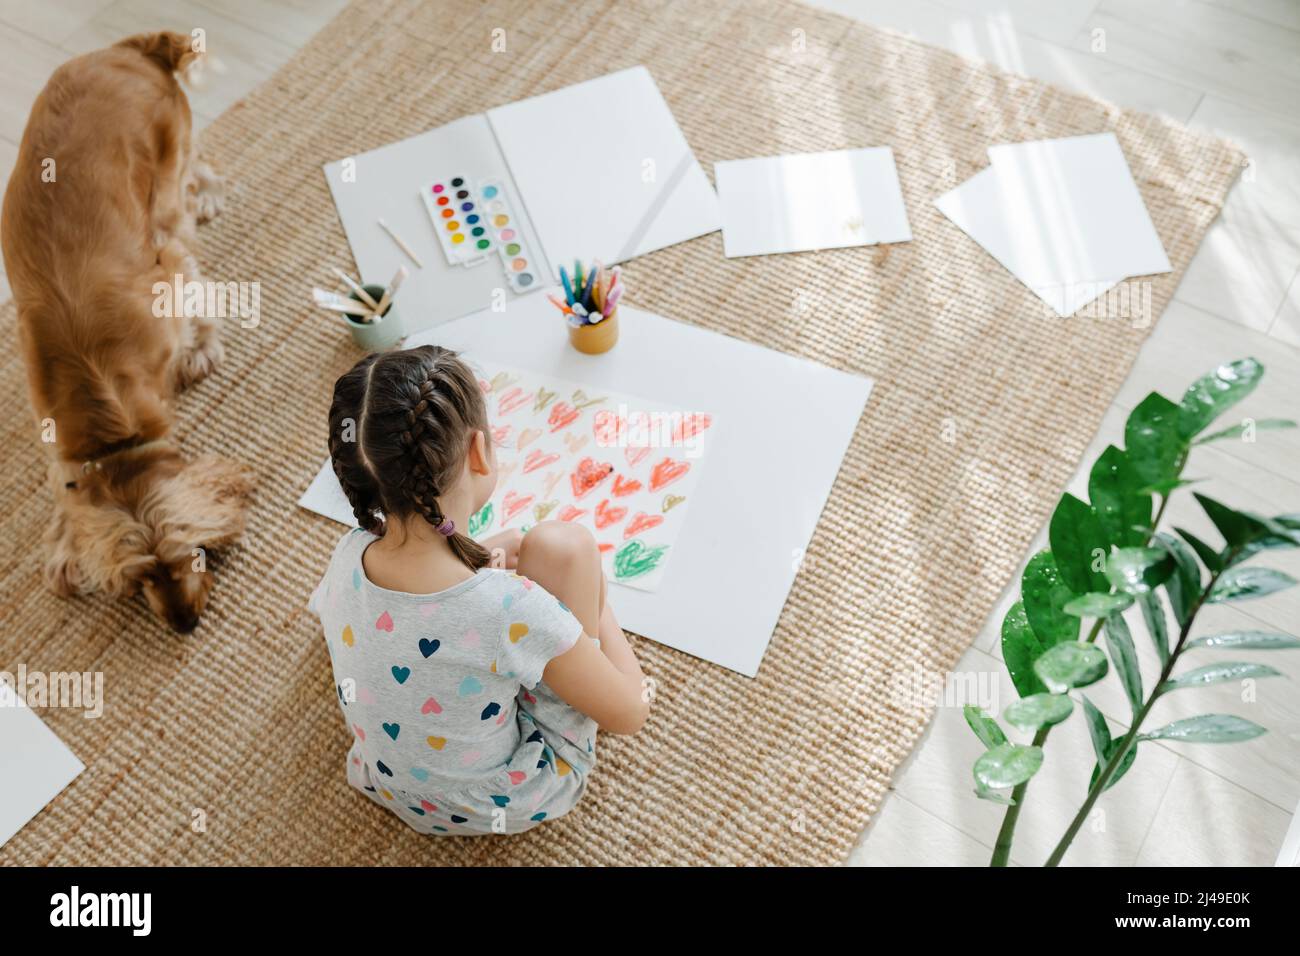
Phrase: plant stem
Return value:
(1130, 738)
(1002, 849)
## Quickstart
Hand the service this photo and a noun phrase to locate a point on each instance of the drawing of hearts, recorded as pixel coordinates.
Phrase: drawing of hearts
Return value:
(562, 415)
(545, 508)
(691, 425)
(499, 381)
(641, 522)
(514, 399)
(607, 426)
(543, 399)
(604, 548)
(538, 459)
(553, 478)
(588, 475)
(512, 504)
(575, 442)
(666, 472)
(500, 434)
(672, 501)
(606, 515)
(635, 559)
(635, 456)
(527, 436)
(570, 513)
(504, 470)
(624, 486)
(582, 401)
(484, 386)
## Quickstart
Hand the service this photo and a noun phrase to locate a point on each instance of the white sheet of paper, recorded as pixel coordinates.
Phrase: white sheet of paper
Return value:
(386, 182)
(604, 170)
(35, 765)
(977, 207)
(846, 197)
(785, 424)
(615, 464)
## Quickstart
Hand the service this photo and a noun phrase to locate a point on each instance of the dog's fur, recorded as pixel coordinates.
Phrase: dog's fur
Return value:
(83, 253)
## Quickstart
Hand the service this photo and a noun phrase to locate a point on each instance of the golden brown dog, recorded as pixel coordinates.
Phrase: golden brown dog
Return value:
(103, 204)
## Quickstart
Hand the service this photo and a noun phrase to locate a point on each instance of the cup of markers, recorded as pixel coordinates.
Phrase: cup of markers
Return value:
(590, 306)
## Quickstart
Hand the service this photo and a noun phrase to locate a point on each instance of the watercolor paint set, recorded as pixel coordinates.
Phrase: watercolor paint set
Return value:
(471, 218)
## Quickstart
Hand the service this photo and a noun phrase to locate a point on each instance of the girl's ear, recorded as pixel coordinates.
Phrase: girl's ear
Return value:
(479, 459)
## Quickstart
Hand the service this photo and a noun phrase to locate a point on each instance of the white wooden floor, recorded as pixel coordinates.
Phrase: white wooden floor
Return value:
(1231, 66)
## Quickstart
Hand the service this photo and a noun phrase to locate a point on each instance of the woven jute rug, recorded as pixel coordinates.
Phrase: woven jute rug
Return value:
(981, 410)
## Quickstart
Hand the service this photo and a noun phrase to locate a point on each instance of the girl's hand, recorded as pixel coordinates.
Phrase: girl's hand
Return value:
(504, 548)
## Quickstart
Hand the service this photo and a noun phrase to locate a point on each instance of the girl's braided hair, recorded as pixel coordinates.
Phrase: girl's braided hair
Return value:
(400, 427)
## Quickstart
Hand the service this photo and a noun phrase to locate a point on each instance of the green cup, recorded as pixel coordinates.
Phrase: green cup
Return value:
(378, 334)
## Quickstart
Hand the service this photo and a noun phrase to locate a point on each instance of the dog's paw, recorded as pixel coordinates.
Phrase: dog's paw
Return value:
(199, 362)
(61, 576)
(208, 206)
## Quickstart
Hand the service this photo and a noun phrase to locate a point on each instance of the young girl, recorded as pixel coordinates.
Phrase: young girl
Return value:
(473, 693)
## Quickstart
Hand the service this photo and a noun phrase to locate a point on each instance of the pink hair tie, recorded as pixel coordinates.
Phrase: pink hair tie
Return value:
(447, 528)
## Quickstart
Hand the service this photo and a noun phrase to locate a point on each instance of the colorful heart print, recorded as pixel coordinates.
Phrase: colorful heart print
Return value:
(385, 622)
(491, 710)
(539, 459)
(641, 522)
(624, 486)
(562, 415)
(392, 730)
(666, 472)
(431, 706)
(400, 674)
(518, 631)
(588, 475)
(607, 514)
(348, 638)
(428, 647)
(470, 687)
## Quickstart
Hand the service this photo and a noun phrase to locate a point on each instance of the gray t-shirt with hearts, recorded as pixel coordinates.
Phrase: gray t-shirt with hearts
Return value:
(453, 728)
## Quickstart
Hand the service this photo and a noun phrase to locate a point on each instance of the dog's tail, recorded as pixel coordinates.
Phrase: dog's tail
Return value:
(174, 52)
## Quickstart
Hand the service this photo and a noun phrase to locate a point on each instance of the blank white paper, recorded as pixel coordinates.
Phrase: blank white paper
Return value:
(604, 170)
(847, 197)
(787, 423)
(35, 765)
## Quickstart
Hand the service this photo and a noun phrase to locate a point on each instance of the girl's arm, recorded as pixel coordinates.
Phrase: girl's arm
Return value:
(589, 681)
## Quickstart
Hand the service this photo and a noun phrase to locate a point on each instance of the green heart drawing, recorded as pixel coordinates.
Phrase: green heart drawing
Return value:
(635, 559)
(480, 522)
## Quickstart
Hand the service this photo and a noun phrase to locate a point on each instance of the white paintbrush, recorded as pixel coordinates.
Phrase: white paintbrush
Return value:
(352, 283)
(338, 303)
(391, 291)
(401, 244)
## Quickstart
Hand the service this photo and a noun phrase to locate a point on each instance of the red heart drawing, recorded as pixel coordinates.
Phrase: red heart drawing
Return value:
(538, 459)
(606, 426)
(666, 472)
(500, 434)
(635, 455)
(606, 515)
(691, 425)
(562, 415)
(570, 513)
(588, 475)
(484, 385)
(624, 486)
(513, 399)
(604, 548)
(513, 503)
(642, 522)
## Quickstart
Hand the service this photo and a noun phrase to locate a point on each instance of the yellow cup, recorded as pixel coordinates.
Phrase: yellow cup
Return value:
(595, 339)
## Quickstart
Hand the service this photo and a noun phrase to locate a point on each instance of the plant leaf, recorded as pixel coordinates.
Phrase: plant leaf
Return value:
(1099, 605)
(1184, 585)
(1007, 765)
(1077, 539)
(1245, 583)
(1163, 488)
(1247, 641)
(1208, 729)
(1073, 664)
(1098, 731)
(1217, 674)
(1039, 710)
(1116, 494)
(1120, 641)
(1152, 440)
(1044, 595)
(1119, 771)
(1138, 570)
(992, 796)
(1237, 528)
(1236, 431)
(1209, 557)
(1020, 648)
(985, 727)
(1214, 393)
(1153, 613)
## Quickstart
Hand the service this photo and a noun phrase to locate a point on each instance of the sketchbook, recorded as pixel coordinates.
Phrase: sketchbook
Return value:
(494, 203)
(35, 765)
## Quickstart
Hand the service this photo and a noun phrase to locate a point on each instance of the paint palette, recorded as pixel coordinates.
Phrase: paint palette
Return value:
(458, 220)
(506, 229)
